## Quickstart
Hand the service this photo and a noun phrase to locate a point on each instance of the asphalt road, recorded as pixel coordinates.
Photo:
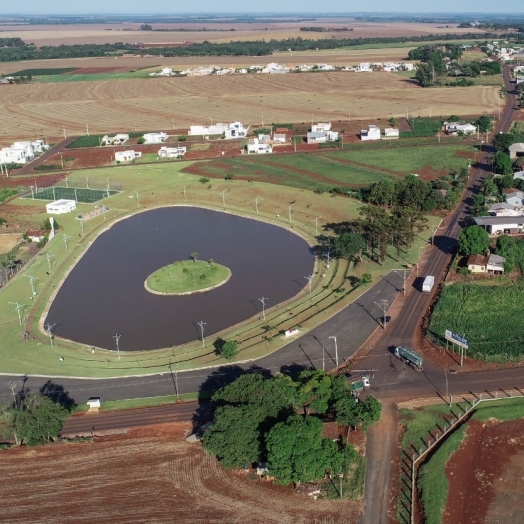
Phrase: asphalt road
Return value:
(352, 326)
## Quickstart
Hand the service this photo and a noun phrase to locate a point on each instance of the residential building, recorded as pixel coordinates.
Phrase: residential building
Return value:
(519, 175)
(364, 68)
(514, 197)
(127, 156)
(279, 138)
(171, 152)
(478, 263)
(454, 128)
(519, 79)
(155, 138)
(321, 127)
(503, 209)
(60, 207)
(234, 130)
(501, 225)
(254, 146)
(118, 139)
(495, 264)
(372, 133)
(516, 150)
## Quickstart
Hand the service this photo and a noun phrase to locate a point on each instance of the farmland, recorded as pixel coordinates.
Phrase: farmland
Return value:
(161, 103)
(148, 475)
(352, 168)
(489, 316)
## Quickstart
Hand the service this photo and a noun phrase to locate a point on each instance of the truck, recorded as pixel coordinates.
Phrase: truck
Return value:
(409, 357)
(428, 284)
(358, 384)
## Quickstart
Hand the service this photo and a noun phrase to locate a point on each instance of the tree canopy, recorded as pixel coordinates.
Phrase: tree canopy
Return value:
(473, 240)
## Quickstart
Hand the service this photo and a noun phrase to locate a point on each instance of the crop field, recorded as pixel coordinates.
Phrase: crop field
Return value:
(489, 316)
(51, 71)
(351, 168)
(217, 32)
(161, 103)
(148, 475)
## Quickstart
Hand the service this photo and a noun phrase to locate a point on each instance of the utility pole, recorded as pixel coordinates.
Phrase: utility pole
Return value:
(62, 162)
(404, 278)
(224, 198)
(49, 256)
(66, 238)
(19, 308)
(328, 254)
(117, 340)
(309, 279)
(256, 204)
(316, 225)
(65, 135)
(184, 191)
(384, 306)
(87, 129)
(12, 385)
(82, 225)
(447, 388)
(202, 324)
(336, 349)
(49, 330)
(289, 209)
(176, 380)
(435, 227)
(263, 300)
(32, 281)
(137, 199)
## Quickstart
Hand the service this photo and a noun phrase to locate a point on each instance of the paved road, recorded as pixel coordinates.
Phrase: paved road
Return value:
(393, 379)
(352, 326)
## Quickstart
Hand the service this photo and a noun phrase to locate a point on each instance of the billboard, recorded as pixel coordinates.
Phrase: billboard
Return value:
(456, 339)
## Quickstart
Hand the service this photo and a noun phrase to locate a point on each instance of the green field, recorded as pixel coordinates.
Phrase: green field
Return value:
(489, 316)
(90, 77)
(351, 168)
(83, 195)
(188, 276)
(51, 71)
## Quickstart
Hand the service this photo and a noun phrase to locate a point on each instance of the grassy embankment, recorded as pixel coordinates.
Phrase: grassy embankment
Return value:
(187, 276)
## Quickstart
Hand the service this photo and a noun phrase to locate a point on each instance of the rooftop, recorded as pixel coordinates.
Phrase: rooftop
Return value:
(492, 221)
(477, 260)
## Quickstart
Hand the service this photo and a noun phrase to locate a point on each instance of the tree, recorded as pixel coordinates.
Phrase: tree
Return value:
(229, 349)
(315, 390)
(146, 27)
(473, 240)
(483, 123)
(366, 278)
(234, 436)
(194, 256)
(371, 410)
(36, 419)
(297, 452)
(502, 163)
(350, 245)
(47, 225)
(502, 141)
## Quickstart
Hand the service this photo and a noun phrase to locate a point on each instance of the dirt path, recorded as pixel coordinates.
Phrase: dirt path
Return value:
(380, 454)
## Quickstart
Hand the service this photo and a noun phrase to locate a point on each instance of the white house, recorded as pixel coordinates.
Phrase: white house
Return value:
(364, 68)
(116, 140)
(320, 127)
(254, 146)
(495, 264)
(372, 133)
(172, 152)
(516, 149)
(279, 138)
(316, 137)
(391, 132)
(454, 128)
(127, 156)
(501, 225)
(60, 206)
(155, 138)
(503, 209)
(235, 130)
(16, 155)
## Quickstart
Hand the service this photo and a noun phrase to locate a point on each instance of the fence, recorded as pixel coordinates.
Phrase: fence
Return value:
(417, 457)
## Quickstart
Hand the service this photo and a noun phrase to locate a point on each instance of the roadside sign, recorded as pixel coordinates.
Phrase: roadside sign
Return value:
(456, 339)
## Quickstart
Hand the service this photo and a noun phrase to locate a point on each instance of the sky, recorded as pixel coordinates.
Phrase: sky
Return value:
(121, 7)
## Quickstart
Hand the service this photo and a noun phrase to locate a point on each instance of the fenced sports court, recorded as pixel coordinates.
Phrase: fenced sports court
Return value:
(81, 191)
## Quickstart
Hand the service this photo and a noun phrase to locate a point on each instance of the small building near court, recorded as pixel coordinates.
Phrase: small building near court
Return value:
(60, 206)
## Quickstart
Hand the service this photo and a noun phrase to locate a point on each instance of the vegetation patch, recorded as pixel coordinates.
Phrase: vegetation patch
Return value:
(188, 276)
(489, 316)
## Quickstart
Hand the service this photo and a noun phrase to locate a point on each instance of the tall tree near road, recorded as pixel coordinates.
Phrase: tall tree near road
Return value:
(473, 240)
(350, 245)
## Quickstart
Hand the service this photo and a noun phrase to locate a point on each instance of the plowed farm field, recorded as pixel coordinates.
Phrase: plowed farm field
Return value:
(147, 475)
(163, 103)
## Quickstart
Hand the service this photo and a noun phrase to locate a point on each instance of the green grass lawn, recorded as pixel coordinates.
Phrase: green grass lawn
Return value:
(491, 80)
(188, 276)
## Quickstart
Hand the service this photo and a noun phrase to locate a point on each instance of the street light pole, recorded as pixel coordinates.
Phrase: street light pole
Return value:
(19, 308)
(316, 225)
(49, 328)
(117, 339)
(336, 348)
(138, 198)
(202, 324)
(309, 279)
(263, 300)
(384, 307)
(447, 388)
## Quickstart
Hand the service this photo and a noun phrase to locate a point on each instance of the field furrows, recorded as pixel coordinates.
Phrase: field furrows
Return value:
(154, 104)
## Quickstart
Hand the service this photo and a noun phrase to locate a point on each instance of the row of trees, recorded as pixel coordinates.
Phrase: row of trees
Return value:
(259, 419)
(242, 48)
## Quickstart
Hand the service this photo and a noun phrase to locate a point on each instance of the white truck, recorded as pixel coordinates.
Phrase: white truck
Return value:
(428, 284)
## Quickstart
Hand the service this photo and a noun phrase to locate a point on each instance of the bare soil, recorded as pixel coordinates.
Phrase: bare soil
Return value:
(147, 475)
(485, 475)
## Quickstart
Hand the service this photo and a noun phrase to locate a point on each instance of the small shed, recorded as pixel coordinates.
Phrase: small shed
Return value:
(495, 264)
(94, 403)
